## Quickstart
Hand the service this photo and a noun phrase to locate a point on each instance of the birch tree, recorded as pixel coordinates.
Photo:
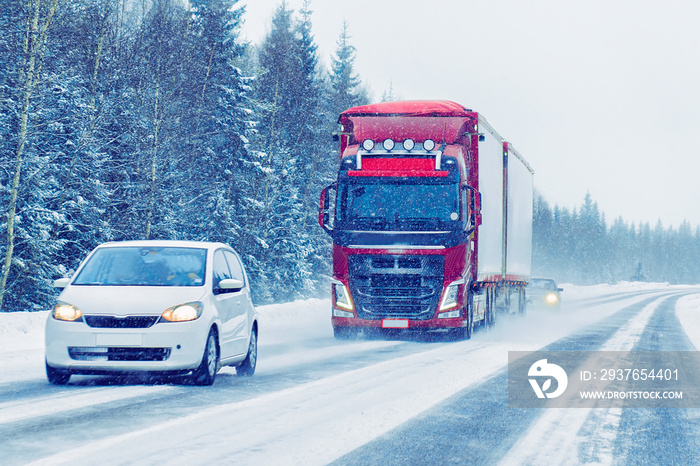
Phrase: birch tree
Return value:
(37, 16)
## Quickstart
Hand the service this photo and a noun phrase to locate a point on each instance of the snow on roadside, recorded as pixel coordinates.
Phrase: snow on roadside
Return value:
(21, 331)
(574, 292)
(688, 313)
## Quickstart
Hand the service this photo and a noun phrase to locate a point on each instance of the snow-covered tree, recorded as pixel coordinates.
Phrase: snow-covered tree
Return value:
(347, 85)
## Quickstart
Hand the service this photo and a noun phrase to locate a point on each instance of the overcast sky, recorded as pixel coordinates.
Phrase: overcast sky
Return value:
(598, 95)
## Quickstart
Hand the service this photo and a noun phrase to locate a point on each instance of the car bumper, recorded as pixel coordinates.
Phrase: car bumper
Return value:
(163, 347)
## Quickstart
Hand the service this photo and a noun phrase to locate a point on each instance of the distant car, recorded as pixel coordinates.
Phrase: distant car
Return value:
(543, 292)
(167, 307)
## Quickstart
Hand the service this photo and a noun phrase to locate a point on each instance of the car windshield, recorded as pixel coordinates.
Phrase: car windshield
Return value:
(144, 266)
(542, 284)
(399, 203)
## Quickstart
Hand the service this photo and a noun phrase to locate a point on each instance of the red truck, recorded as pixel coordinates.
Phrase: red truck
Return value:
(431, 220)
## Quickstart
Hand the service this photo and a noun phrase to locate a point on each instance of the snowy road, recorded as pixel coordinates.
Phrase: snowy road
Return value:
(315, 400)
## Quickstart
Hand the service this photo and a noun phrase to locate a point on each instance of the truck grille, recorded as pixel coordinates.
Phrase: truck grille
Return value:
(396, 286)
(121, 322)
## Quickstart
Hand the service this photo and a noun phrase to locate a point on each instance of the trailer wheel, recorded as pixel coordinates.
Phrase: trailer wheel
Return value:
(522, 301)
(490, 313)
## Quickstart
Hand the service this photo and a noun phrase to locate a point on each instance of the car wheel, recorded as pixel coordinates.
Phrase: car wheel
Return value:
(247, 367)
(206, 372)
(57, 376)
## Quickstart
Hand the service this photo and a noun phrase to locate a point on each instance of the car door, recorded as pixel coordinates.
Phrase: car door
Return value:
(244, 304)
(227, 305)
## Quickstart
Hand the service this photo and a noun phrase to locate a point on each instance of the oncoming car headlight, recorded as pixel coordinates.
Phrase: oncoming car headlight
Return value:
(183, 312)
(67, 312)
(551, 298)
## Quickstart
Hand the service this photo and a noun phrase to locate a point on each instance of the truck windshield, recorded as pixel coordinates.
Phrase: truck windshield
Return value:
(402, 204)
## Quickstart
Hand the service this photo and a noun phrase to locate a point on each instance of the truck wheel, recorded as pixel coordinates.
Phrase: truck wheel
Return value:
(344, 333)
(57, 376)
(247, 367)
(470, 315)
(206, 372)
(458, 334)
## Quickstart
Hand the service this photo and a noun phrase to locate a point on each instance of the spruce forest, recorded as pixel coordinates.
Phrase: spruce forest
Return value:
(153, 119)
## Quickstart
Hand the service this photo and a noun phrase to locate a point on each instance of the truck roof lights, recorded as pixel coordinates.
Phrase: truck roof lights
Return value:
(429, 145)
(388, 144)
(409, 144)
(368, 144)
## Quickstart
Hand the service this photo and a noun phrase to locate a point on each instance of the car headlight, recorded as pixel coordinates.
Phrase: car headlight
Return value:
(551, 298)
(449, 299)
(183, 312)
(67, 312)
(342, 297)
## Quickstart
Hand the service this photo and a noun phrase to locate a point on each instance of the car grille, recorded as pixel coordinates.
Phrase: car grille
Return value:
(103, 353)
(396, 286)
(121, 322)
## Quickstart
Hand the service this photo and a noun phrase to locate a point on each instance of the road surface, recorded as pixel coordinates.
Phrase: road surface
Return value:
(315, 400)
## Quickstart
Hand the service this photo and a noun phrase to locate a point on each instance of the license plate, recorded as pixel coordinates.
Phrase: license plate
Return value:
(395, 323)
(119, 339)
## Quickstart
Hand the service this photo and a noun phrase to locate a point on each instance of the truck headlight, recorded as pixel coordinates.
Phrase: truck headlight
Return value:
(341, 313)
(449, 299)
(551, 298)
(342, 297)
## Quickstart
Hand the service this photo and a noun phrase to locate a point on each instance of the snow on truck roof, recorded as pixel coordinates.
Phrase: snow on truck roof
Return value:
(444, 108)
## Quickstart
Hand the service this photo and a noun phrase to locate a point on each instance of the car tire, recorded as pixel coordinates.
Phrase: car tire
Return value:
(57, 376)
(247, 367)
(206, 372)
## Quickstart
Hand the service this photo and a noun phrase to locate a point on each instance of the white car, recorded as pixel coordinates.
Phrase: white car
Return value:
(168, 307)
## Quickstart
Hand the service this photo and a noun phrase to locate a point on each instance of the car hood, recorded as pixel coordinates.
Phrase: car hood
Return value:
(129, 300)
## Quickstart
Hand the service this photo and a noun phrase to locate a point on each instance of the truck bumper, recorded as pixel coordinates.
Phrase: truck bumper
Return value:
(398, 323)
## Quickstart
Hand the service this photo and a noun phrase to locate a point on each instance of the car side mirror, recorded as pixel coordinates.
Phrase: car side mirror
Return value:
(61, 282)
(560, 290)
(231, 284)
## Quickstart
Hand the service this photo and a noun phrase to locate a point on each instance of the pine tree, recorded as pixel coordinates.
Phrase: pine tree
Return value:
(346, 83)
(288, 93)
(217, 117)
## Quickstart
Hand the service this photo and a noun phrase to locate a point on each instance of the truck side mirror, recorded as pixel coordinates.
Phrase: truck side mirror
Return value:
(474, 208)
(324, 208)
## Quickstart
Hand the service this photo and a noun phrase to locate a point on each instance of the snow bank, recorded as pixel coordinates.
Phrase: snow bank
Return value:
(575, 292)
(21, 331)
(688, 313)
